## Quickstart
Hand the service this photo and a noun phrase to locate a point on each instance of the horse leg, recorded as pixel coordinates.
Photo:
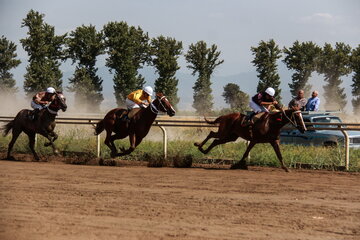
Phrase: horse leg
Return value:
(32, 145)
(15, 135)
(133, 144)
(212, 134)
(218, 142)
(48, 136)
(276, 146)
(54, 137)
(109, 141)
(242, 163)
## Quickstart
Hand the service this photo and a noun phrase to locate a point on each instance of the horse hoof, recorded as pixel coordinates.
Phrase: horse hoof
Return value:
(286, 169)
(239, 166)
(196, 144)
(101, 162)
(47, 144)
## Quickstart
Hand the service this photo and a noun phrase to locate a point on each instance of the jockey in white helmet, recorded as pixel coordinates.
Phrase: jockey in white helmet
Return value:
(138, 99)
(41, 100)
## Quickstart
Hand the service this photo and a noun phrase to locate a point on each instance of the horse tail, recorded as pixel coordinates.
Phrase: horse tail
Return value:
(6, 129)
(212, 122)
(99, 127)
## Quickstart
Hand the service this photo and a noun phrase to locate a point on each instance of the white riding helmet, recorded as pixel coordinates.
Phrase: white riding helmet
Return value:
(270, 91)
(148, 90)
(50, 90)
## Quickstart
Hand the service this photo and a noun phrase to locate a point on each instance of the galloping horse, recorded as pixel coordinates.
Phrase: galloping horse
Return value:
(44, 125)
(265, 130)
(138, 127)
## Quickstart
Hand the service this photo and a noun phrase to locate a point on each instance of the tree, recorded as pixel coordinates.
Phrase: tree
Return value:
(301, 58)
(7, 62)
(203, 61)
(165, 53)
(45, 52)
(355, 65)
(128, 49)
(266, 55)
(84, 45)
(335, 63)
(237, 99)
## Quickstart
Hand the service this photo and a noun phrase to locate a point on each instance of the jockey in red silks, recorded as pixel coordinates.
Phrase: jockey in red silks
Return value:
(261, 102)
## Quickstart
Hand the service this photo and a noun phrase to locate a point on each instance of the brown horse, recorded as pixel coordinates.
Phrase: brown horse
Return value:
(138, 127)
(265, 130)
(44, 125)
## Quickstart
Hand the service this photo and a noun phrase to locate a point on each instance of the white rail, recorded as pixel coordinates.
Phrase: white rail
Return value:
(162, 123)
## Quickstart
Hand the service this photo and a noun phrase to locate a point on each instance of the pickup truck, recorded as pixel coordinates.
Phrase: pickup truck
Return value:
(325, 138)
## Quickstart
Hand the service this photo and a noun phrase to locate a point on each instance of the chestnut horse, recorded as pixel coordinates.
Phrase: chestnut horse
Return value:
(265, 130)
(138, 127)
(44, 125)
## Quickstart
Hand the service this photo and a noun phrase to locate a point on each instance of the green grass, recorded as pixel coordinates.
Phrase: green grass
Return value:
(76, 140)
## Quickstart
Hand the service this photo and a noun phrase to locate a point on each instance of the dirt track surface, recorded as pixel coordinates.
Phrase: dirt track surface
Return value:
(60, 201)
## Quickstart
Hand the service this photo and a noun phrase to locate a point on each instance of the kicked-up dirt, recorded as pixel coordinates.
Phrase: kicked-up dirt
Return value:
(53, 200)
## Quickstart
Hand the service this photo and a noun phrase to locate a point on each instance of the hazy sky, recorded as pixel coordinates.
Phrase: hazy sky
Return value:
(233, 25)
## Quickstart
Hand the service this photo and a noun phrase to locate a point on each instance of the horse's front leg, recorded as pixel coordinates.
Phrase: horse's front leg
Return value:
(276, 145)
(134, 142)
(50, 136)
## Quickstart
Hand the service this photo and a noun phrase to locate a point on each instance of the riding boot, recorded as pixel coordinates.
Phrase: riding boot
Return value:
(34, 114)
(249, 120)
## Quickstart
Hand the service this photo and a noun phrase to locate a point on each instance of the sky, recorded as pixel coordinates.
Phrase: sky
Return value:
(234, 26)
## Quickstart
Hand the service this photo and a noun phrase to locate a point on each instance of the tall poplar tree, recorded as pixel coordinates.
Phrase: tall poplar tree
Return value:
(266, 54)
(45, 52)
(203, 61)
(355, 65)
(128, 49)
(7, 62)
(335, 63)
(237, 99)
(84, 45)
(302, 59)
(165, 52)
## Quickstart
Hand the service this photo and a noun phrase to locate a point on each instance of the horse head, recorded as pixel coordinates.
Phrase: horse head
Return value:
(59, 102)
(295, 117)
(164, 105)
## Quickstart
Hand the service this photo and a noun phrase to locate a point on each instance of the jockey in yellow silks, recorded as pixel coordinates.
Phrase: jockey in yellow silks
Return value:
(138, 99)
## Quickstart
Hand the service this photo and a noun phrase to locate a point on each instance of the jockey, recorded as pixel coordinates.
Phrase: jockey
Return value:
(41, 100)
(136, 100)
(261, 102)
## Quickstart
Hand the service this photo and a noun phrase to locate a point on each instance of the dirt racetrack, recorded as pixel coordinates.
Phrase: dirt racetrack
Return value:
(53, 200)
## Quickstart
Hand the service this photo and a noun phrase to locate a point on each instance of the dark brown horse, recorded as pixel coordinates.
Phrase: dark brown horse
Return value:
(138, 127)
(265, 130)
(44, 125)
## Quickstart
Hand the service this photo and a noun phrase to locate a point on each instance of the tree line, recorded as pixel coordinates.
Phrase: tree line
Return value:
(129, 48)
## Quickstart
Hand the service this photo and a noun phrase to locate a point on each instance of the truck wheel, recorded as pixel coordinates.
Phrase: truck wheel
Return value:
(330, 144)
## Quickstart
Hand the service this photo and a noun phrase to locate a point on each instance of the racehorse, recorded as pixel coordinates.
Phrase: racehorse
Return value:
(138, 127)
(44, 125)
(265, 130)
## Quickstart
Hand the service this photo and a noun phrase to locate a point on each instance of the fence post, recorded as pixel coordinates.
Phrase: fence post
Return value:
(98, 145)
(346, 143)
(164, 141)
(98, 151)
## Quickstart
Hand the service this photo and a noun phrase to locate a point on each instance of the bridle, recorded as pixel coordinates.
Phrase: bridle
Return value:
(154, 109)
(292, 118)
(52, 102)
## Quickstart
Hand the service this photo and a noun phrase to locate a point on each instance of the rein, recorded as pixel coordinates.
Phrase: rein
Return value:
(154, 109)
(290, 119)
